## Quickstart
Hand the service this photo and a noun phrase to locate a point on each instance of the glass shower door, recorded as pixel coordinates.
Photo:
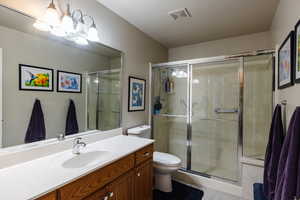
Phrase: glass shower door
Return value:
(170, 89)
(215, 119)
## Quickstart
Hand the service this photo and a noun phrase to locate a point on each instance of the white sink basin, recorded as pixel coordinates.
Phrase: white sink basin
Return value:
(86, 159)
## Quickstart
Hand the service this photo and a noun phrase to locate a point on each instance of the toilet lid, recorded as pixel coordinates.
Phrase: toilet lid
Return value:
(166, 159)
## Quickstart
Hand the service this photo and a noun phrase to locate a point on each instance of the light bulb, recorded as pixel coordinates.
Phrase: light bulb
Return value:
(79, 27)
(81, 41)
(67, 21)
(174, 74)
(67, 24)
(41, 26)
(93, 34)
(58, 31)
(51, 16)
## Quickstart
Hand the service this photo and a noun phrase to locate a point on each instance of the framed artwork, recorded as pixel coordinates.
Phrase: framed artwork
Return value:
(35, 78)
(136, 94)
(297, 53)
(69, 82)
(285, 62)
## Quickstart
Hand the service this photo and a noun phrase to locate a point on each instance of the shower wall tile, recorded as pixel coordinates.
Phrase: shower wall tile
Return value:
(257, 106)
(161, 133)
(251, 174)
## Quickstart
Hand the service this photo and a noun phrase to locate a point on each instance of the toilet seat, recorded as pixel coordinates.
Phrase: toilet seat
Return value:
(165, 159)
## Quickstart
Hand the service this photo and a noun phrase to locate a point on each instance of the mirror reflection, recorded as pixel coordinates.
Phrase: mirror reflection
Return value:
(52, 86)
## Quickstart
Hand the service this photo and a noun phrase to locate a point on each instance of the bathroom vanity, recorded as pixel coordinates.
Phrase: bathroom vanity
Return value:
(116, 168)
(128, 178)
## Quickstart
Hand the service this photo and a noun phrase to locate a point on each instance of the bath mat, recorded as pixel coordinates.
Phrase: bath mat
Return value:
(180, 192)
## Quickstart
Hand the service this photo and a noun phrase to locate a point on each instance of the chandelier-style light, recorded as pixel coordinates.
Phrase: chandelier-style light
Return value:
(74, 26)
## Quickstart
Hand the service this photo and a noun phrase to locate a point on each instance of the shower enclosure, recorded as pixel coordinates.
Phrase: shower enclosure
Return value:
(103, 100)
(213, 111)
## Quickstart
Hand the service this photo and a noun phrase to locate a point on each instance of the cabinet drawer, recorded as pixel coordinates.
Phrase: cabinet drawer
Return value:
(99, 195)
(144, 154)
(50, 196)
(96, 180)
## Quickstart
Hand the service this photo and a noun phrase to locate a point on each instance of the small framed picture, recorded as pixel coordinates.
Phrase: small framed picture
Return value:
(137, 94)
(297, 53)
(69, 82)
(285, 62)
(35, 78)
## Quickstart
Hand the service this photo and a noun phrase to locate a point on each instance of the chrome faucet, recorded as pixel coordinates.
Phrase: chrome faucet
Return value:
(77, 145)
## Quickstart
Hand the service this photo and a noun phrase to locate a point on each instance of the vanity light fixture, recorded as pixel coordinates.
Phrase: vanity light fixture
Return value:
(93, 33)
(67, 21)
(51, 16)
(73, 26)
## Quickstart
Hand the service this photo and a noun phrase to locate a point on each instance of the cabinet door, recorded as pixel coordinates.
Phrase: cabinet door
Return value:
(51, 196)
(99, 195)
(122, 188)
(144, 181)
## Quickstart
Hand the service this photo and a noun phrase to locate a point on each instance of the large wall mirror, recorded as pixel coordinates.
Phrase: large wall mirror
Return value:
(42, 72)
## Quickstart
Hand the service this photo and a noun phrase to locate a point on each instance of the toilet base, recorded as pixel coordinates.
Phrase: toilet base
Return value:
(163, 182)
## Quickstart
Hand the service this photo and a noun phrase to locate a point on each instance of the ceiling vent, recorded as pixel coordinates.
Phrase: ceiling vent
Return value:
(180, 13)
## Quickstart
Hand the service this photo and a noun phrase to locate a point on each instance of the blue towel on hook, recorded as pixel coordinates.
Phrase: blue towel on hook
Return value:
(71, 122)
(36, 130)
(276, 137)
(288, 175)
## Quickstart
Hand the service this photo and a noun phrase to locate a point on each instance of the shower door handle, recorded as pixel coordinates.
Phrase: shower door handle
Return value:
(221, 110)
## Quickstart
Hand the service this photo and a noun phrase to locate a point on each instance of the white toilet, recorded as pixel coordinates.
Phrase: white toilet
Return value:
(164, 164)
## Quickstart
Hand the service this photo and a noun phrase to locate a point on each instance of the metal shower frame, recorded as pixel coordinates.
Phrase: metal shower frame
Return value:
(189, 65)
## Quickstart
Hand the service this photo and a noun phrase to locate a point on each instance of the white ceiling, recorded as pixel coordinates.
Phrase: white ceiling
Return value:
(211, 19)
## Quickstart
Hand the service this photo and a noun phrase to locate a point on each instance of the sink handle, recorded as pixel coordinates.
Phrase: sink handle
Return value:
(111, 194)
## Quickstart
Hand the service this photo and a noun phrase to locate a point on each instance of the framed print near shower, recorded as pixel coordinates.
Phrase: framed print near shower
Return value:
(136, 94)
(35, 78)
(285, 62)
(297, 53)
(69, 82)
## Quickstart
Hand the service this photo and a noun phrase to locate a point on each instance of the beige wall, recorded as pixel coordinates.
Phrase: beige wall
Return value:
(114, 31)
(286, 17)
(23, 48)
(221, 47)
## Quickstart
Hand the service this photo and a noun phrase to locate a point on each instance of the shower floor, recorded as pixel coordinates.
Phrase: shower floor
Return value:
(216, 171)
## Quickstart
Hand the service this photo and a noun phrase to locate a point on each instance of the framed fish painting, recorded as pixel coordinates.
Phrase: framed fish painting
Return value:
(69, 82)
(286, 62)
(297, 53)
(35, 78)
(137, 94)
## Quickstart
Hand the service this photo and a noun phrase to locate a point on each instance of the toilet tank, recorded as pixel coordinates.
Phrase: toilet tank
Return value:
(143, 131)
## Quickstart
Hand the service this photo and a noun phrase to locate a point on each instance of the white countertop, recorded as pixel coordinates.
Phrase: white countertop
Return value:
(35, 178)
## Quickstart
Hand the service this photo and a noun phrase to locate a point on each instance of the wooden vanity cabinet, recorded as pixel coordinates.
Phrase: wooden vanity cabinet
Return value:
(122, 188)
(143, 185)
(50, 196)
(130, 178)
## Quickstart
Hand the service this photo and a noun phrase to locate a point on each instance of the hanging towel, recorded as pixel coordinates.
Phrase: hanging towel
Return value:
(276, 137)
(71, 122)
(36, 130)
(288, 175)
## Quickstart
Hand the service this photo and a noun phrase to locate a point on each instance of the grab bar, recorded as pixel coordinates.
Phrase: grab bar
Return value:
(221, 110)
(168, 115)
